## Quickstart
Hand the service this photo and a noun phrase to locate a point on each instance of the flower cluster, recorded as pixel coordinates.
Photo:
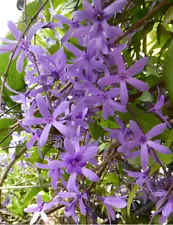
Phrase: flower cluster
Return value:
(67, 92)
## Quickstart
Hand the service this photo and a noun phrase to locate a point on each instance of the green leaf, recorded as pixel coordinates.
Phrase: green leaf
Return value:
(4, 130)
(45, 196)
(131, 197)
(16, 207)
(168, 71)
(5, 123)
(146, 97)
(30, 195)
(169, 140)
(15, 79)
(168, 15)
(165, 158)
(31, 9)
(96, 131)
(111, 178)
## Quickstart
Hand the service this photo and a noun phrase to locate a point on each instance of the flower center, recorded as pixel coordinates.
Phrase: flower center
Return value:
(123, 76)
(143, 140)
(50, 119)
(75, 24)
(99, 16)
(87, 57)
(55, 75)
(24, 44)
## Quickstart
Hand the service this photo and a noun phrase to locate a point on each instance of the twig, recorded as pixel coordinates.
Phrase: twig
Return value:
(65, 87)
(20, 187)
(8, 134)
(144, 20)
(8, 110)
(13, 52)
(114, 145)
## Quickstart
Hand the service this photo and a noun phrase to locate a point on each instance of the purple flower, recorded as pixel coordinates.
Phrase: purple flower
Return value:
(24, 47)
(48, 119)
(96, 14)
(55, 171)
(74, 160)
(125, 76)
(113, 201)
(139, 139)
(157, 109)
(141, 178)
(77, 198)
(167, 207)
(38, 210)
(85, 60)
(73, 25)
(123, 134)
(94, 96)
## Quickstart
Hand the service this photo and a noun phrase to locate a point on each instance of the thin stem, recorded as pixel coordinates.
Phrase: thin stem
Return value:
(19, 187)
(8, 134)
(8, 110)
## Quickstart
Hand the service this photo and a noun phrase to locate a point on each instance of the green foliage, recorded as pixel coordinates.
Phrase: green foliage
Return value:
(5, 124)
(96, 131)
(168, 71)
(131, 197)
(16, 207)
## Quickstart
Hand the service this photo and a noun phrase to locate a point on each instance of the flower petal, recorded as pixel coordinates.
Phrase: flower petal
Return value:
(35, 217)
(71, 185)
(64, 194)
(119, 60)
(160, 148)
(167, 209)
(20, 61)
(12, 27)
(144, 156)
(137, 67)
(33, 30)
(33, 121)
(90, 153)
(117, 202)
(62, 19)
(105, 81)
(69, 146)
(158, 129)
(61, 108)
(74, 50)
(42, 106)
(135, 128)
(31, 208)
(82, 207)
(90, 174)
(114, 8)
(142, 86)
(44, 135)
(62, 128)
(123, 93)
